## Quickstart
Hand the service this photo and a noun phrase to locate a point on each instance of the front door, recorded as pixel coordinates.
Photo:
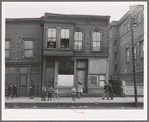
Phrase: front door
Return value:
(35, 79)
(23, 85)
(81, 77)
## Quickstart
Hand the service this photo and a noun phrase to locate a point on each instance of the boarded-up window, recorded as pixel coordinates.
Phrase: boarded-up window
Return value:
(65, 80)
(97, 80)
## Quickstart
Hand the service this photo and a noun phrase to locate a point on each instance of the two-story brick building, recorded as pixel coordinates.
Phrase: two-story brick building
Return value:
(58, 49)
(120, 45)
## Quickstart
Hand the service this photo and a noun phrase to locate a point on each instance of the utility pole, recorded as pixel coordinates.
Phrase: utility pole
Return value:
(133, 59)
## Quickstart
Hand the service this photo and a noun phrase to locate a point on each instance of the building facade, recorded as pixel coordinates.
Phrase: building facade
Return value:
(120, 45)
(58, 50)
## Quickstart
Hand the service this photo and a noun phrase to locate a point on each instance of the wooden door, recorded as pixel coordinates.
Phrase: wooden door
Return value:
(35, 79)
(81, 77)
(23, 85)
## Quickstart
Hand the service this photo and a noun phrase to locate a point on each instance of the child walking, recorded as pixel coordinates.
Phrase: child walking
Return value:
(73, 91)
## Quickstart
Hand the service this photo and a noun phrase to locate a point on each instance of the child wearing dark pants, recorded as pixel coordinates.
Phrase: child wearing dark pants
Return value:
(73, 91)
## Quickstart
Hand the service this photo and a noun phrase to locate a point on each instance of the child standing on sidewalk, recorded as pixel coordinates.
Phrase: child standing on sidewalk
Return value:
(73, 91)
(56, 92)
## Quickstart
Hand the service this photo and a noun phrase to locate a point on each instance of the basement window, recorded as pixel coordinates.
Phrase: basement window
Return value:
(64, 42)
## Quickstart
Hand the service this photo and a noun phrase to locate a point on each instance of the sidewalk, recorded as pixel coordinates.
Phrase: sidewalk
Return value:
(69, 100)
(66, 103)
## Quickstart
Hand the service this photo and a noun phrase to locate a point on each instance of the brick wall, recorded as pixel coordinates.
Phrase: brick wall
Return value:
(16, 31)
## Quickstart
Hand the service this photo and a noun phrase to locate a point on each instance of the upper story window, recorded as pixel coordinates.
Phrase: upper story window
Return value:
(65, 39)
(127, 54)
(78, 38)
(126, 27)
(51, 40)
(116, 55)
(116, 67)
(141, 49)
(115, 42)
(96, 41)
(28, 48)
(7, 49)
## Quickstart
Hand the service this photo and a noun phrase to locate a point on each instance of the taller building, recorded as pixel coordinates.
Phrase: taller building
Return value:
(121, 32)
(58, 49)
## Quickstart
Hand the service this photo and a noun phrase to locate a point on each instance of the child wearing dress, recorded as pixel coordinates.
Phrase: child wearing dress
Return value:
(73, 91)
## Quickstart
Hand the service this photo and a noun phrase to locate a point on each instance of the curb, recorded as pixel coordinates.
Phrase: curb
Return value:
(69, 105)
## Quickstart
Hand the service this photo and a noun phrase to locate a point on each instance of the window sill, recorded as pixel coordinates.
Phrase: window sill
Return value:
(96, 51)
(79, 51)
(55, 49)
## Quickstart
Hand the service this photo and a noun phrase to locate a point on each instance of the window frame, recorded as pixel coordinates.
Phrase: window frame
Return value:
(69, 38)
(101, 39)
(98, 80)
(116, 67)
(29, 39)
(116, 44)
(127, 57)
(79, 41)
(9, 40)
(55, 37)
(116, 55)
(141, 50)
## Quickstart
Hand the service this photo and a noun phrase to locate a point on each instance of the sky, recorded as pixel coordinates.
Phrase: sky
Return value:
(37, 9)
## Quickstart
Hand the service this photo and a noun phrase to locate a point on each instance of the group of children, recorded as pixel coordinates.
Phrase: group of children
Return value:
(12, 90)
(76, 92)
(51, 92)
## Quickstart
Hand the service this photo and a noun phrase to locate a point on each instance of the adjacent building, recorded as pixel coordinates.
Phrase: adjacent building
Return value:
(58, 49)
(121, 32)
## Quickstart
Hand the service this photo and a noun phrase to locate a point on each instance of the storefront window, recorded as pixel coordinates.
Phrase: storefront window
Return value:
(66, 67)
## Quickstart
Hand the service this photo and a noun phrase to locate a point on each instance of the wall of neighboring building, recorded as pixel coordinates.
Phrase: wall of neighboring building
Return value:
(20, 69)
(17, 31)
(125, 42)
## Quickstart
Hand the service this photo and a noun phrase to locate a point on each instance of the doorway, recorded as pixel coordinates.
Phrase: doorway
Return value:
(23, 85)
(81, 75)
